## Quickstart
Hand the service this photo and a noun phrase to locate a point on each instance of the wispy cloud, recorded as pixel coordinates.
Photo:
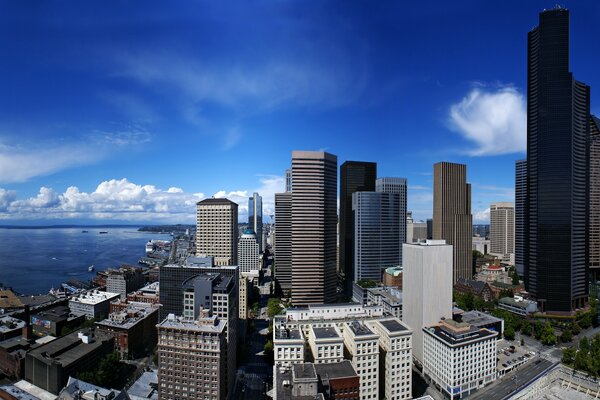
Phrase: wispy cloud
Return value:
(481, 216)
(495, 191)
(495, 121)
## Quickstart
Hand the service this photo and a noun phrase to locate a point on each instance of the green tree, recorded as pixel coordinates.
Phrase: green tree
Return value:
(515, 279)
(526, 328)
(581, 361)
(566, 336)
(274, 307)
(268, 350)
(366, 283)
(586, 320)
(584, 345)
(568, 356)
(509, 333)
(575, 328)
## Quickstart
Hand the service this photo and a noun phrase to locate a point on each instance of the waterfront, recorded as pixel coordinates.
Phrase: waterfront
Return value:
(34, 260)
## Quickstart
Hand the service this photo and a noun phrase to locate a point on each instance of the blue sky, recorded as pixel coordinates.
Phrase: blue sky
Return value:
(118, 111)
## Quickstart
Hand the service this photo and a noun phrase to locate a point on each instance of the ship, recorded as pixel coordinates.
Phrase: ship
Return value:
(90, 268)
(103, 232)
(84, 231)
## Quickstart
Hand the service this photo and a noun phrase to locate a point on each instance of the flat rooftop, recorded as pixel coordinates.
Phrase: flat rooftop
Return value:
(8, 324)
(304, 371)
(189, 325)
(55, 314)
(128, 317)
(453, 338)
(68, 349)
(284, 333)
(325, 333)
(94, 297)
(359, 329)
(393, 325)
(479, 318)
(342, 369)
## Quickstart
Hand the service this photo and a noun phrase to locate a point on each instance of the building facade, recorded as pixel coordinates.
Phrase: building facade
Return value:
(502, 229)
(594, 223)
(452, 219)
(396, 186)
(355, 176)
(92, 304)
(314, 227)
(249, 252)
(520, 199)
(217, 230)
(283, 241)
(362, 345)
(556, 217)
(377, 233)
(255, 218)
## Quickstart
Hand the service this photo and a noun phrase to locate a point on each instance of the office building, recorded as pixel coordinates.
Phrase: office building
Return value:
(217, 230)
(556, 218)
(249, 253)
(452, 219)
(377, 233)
(395, 355)
(459, 358)
(326, 344)
(283, 242)
(314, 227)
(192, 359)
(427, 288)
(124, 280)
(288, 344)
(255, 220)
(92, 304)
(502, 229)
(429, 228)
(594, 224)
(49, 366)
(355, 176)
(362, 345)
(288, 180)
(396, 186)
(520, 198)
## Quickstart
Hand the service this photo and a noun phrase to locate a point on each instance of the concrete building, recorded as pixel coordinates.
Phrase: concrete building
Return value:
(459, 358)
(217, 230)
(338, 381)
(502, 229)
(355, 176)
(192, 359)
(452, 219)
(481, 244)
(92, 304)
(379, 223)
(288, 344)
(283, 242)
(10, 327)
(133, 328)
(388, 297)
(427, 287)
(52, 321)
(124, 280)
(314, 227)
(255, 218)
(362, 345)
(49, 366)
(249, 253)
(518, 305)
(326, 344)
(520, 198)
(395, 355)
(482, 320)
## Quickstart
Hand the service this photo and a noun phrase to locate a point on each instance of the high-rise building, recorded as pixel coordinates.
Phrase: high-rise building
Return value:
(377, 230)
(452, 219)
(283, 241)
(248, 253)
(396, 186)
(217, 230)
(362, 344)
(355, 176)
(429, 228)
(255, 220)
(502, 228)
(288, 180)
(520, 198)
(314, 227)
(594, 224)
(427, 288)
(558, 109)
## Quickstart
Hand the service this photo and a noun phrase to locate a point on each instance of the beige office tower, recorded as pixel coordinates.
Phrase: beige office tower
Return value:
(314, 225)
(217, 230)
(452, 219)
(502, 229)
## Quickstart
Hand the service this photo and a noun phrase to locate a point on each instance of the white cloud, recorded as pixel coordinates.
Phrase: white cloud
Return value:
(495, 121)
(482, 216)
(6, 198)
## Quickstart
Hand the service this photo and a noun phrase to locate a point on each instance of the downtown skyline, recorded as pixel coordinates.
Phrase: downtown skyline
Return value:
(113, 114)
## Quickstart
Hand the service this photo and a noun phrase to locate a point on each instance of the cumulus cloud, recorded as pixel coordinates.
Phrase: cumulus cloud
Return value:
(495, 121)
(482, 216)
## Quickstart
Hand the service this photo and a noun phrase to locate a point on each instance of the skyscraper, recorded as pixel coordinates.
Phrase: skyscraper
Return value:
(396, 186)
(520, 198)
(452, 219)
(376, 233)
(288, 180)
(283, 241)
(217, 230)
(502, 228)
(248, 255)
(314, 227)
(556, 246)
(255, 221)
(594, 225)
(355, 176)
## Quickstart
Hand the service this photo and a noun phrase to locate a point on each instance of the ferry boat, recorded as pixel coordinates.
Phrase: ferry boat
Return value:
(90, 268)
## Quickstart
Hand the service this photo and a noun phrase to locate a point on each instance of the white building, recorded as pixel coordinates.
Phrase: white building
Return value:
(459, 358)
(502, 229)
(363, 346)
(92, 304)
(389, 297)
(395, 347)
(427, 287)
(326, 345)
(248, 253)
(288, 345)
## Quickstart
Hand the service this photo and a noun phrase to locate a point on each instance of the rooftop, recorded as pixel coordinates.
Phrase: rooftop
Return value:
(9, 300)
(325, 333)
(94, 297)
(454, 333)
(342, 369)
(213, 201)
(129, 317)
(516, 303)
(304, 371)
(8, 323)
(284, 333)
(146, 387)
(54, 314)
(359, 329)
(394, 325)
(479, 318)
(212, 324)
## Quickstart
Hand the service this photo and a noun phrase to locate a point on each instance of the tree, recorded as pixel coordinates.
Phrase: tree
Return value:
(366, 283)
(586, 321)
(526, 328)
(273, 307)
(566, 336)
(515, 279)
(509, 333)
(268, 350)
(568, 356)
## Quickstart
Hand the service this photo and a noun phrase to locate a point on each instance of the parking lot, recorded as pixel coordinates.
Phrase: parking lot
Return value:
(510, 355)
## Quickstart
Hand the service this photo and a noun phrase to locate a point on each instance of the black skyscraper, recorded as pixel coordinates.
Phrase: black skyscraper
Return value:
(555, 242)
(355, 176)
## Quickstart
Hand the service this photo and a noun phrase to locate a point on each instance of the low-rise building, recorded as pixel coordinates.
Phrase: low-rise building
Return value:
(148, 294)
(52, 321)
(476, 288)
(518, 305)
(10, 327)
(326, 344)
(388, 297)
(338, 381)
(134, 329)
(80, 390)
(482, 320)
(50, 365)
(92, 304)
(458, 357)
(362, 345)
(124, 280)
(392, 276)
(288, 345)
